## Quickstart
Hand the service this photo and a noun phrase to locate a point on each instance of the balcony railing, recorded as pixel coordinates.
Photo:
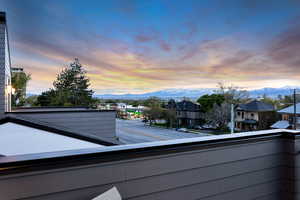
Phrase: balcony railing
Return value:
(252, 165)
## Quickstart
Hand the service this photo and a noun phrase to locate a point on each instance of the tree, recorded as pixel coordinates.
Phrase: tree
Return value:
(155, 110)
(217, 107)
(170, 116)
(268, 100)
(47, 98)
(153, 102)
(232, 94)
(154, 113)
(219, 116)
(70, 88)
(19, 82)
(31, 100)
(208, 101)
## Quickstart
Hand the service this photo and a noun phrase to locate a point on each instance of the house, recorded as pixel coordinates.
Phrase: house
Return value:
(255, 115)
(188, 113)
(5, 64)
(287, 117)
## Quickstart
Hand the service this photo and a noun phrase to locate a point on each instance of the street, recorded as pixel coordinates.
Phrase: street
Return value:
(134, 131)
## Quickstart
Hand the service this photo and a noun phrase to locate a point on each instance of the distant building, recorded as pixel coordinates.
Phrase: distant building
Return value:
(17, 69)
(188, 114)
(255, 115)
(287, 118)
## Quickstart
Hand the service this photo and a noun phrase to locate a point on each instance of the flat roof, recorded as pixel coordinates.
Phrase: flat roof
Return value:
(17, 139)
(54, 128)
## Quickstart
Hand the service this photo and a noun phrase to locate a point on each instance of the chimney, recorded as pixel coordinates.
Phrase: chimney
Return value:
(5, 74)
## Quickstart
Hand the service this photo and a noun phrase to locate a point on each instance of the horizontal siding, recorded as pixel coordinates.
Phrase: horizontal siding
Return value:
(217, 173)
(204, 189)
(291, 164)
(250, 193)
(100, 124)
(2, 70)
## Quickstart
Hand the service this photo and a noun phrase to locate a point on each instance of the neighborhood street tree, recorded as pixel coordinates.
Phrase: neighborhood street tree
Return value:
(219, 115)
(207, 101)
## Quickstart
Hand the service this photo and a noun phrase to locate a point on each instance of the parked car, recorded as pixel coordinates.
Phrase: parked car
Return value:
(183, 130)
(208, 126)
(198, 127)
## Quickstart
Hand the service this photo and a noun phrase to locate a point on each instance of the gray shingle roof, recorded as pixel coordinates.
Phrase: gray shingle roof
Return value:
(290, 109)
(187, 106)
(256, 106)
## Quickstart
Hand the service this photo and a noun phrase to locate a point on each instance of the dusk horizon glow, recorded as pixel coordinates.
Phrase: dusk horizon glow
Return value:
(130, 46)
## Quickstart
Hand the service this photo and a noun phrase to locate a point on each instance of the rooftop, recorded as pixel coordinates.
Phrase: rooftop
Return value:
(290, 109)
(17, 139)
(187, 105)
(256, 106)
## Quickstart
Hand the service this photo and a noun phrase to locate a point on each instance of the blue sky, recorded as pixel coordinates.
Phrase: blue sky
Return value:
(137, 46)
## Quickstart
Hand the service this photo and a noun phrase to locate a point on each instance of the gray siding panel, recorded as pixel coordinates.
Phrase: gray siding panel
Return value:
(2, 69)
(246, 171)
(100, 124)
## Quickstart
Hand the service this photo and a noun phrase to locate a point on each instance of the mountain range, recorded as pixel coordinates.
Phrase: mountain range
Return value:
(196, 93)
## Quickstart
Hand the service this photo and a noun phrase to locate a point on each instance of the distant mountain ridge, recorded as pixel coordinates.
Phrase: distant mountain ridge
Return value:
(196, 93)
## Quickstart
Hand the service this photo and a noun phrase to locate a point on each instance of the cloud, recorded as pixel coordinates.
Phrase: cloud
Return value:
(186, 49)
(285, 48)
(145, 37)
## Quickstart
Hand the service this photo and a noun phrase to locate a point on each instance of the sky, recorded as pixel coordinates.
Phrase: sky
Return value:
(138, 46)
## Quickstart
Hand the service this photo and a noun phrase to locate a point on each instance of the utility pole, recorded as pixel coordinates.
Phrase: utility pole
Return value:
(232, 119)
(295, 110)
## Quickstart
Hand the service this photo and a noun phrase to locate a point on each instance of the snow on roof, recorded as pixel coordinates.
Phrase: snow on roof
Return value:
(281, 124)
(16, 139)
(290, 109)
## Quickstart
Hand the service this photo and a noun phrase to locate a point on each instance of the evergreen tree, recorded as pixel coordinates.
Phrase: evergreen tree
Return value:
(71, 88)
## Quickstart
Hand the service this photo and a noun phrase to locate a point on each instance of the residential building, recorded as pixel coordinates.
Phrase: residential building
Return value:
(254, 115)
(287, 116)
(5, 64)
(188, 113)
